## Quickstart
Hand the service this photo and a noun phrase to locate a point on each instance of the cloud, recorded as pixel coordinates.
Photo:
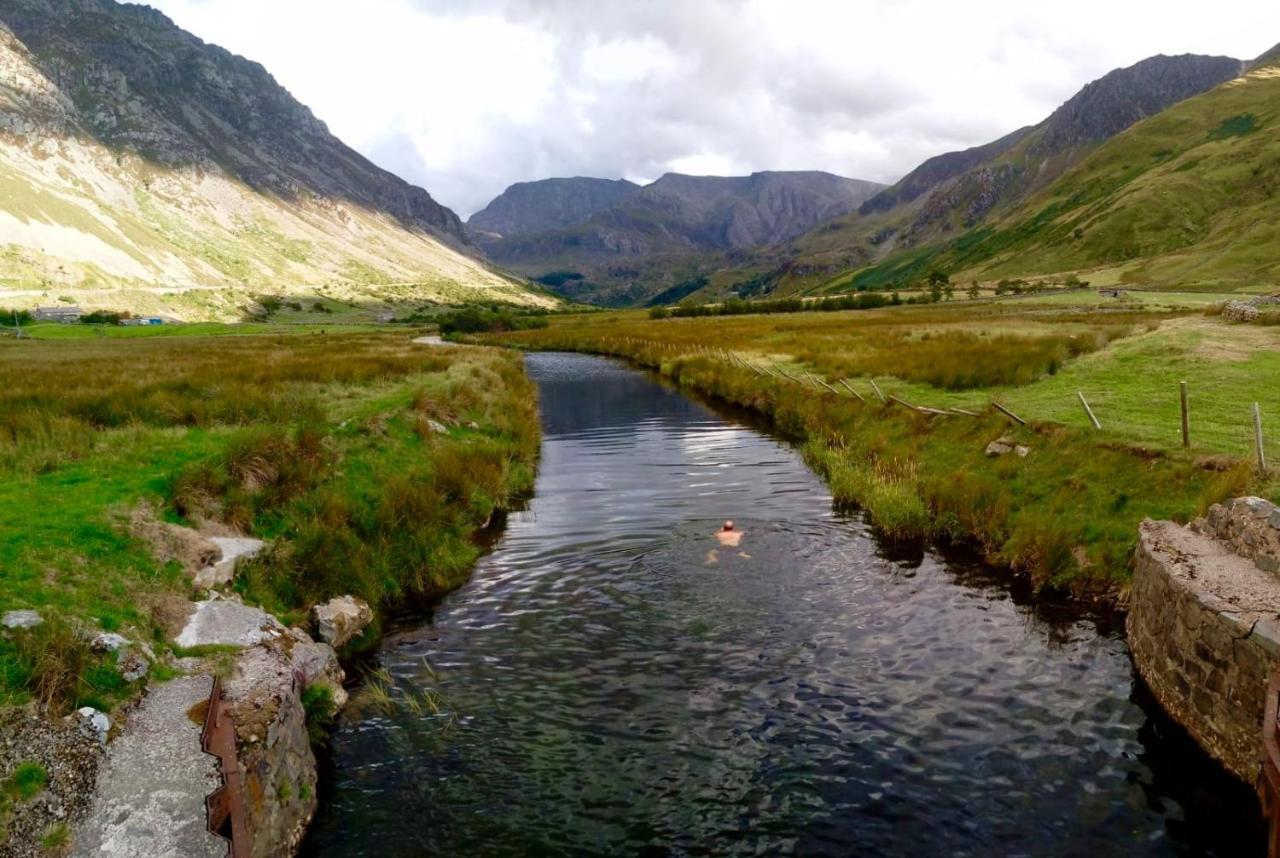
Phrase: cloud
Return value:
(466, 98)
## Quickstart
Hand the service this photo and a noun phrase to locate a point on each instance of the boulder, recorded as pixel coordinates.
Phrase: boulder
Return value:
(108, 642)
(341, 620)
(92, 723)
(131, 665)
(21, 619)
(231, 550)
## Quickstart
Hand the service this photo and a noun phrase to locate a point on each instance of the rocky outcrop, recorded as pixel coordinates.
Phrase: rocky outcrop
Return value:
(341, 620)
(548, 204)
(1204, 630)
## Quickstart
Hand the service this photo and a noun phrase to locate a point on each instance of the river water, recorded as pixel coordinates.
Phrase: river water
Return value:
(607, 684)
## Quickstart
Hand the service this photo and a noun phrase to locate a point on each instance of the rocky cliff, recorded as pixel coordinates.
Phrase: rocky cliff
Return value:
(132, 154)
(548, 204)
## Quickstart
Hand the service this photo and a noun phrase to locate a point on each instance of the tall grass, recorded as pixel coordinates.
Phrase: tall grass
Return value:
(329, 446)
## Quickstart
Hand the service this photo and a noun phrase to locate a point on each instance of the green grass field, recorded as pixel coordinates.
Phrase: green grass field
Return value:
(319, 443)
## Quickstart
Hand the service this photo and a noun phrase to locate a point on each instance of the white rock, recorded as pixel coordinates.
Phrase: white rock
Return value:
(234, 549)
(108, 642)
(93, 724)
(438, 427)
(21, 620)
(341, 620)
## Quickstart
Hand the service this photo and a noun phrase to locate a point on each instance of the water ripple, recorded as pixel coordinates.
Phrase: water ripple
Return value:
(613, 688)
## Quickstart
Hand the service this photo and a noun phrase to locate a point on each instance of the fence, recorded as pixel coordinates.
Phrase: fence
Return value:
(1250, 413)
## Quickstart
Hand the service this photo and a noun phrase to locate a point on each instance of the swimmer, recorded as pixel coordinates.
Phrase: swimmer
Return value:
(728, 536)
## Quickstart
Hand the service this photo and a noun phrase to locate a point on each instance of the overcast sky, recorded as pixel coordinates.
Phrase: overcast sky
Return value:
(465, 98)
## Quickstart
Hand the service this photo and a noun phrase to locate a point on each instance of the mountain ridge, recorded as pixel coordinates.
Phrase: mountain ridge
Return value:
(138, 157)
(668, 230)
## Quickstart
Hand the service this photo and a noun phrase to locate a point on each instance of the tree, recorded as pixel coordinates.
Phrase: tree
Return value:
(974, 291)
(937, 280)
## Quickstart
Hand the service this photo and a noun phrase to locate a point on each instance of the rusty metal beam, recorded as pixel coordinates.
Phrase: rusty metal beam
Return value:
(225, 805)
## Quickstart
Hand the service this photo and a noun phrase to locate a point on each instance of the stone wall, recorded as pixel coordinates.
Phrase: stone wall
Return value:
(1204, 625)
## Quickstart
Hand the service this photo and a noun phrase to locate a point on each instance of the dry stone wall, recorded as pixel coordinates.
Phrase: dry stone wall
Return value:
(1204, 624)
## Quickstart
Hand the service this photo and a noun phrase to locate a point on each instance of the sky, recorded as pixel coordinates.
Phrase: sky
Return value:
(466, 98)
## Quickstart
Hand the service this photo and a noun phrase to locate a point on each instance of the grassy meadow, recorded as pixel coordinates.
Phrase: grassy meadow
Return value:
(367, 460)
(1067, 514)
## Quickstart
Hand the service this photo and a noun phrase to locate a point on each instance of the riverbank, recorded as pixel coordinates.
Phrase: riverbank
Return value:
(1064, 509)
(366, 462)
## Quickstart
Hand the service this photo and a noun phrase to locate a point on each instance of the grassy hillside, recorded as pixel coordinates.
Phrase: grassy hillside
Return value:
(1186, 199)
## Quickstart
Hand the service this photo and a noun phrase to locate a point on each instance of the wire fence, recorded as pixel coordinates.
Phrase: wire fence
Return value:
(1249, 425)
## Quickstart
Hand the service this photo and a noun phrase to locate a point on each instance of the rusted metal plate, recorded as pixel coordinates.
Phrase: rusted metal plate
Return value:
(225, 805)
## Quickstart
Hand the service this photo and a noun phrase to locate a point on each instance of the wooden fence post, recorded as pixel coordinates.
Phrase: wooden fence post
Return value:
(1186, 417)
(1087, 410)
(1257, 435)
(1007, 413)
(876, 388)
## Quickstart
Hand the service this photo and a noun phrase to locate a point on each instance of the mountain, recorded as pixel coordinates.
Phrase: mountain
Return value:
(144, 169)
(954, 193)
(666, 233)
(1189, 198)
(532, 207)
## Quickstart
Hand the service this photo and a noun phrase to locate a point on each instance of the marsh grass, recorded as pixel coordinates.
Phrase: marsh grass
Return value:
(310, 441)
(1066, 515)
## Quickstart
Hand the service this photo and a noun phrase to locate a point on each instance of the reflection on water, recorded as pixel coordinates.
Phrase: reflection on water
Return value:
(601, 687)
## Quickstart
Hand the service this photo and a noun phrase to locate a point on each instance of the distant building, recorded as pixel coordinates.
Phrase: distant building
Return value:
(142, 321)
(57, 314)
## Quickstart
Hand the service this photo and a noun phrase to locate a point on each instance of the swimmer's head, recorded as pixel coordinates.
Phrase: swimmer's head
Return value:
(728, 525)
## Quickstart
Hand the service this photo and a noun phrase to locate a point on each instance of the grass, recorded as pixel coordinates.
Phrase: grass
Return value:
(1067, 514)
(319, 443)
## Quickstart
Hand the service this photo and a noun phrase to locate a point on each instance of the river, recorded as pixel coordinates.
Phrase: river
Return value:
(612, 682)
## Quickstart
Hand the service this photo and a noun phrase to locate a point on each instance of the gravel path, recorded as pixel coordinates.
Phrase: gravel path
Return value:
(152, 786)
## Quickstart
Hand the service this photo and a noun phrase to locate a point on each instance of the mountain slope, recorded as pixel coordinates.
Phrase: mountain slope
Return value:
(531, 207)
(141, 168)
(953, 193)
(1189, 198)
(677, 226)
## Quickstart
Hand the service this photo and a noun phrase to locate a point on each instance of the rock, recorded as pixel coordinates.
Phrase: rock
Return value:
(231, 550)
(21, 619)
(1257, 506)
(1022, 452)
(228, 622)
(108, 642)
(264, 693)
(998, 448)
(92, 723)
(438, 427)
(473, 425)
(1274, 519)
(131, 665)
(1240, 311)
(341, 620)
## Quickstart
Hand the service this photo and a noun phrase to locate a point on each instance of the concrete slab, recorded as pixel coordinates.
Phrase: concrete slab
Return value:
(152, 786)
(229, 623)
